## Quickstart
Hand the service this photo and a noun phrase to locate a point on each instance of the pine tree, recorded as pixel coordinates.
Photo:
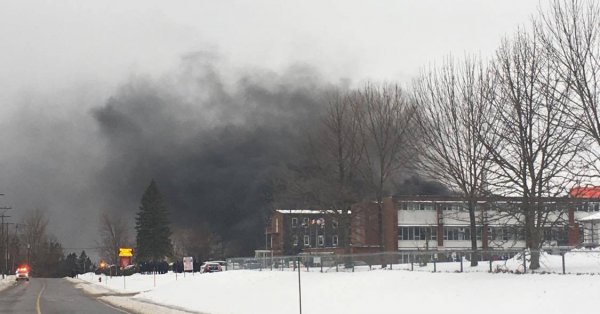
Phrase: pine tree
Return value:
(83, 263)
(70, 265)
(152, 225)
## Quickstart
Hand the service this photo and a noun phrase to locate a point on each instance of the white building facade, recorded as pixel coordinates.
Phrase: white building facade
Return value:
(442, 223)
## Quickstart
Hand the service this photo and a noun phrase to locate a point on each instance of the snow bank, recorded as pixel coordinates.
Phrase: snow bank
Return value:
(133, 283)
(576, 262)
(6, 282)
(122, 299)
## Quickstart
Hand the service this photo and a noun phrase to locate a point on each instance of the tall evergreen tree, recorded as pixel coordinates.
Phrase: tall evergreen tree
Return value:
(84, 264)
(70, 265)
(152, 225)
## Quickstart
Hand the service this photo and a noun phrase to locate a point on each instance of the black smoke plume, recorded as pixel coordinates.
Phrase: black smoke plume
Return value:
(414, 184)
(212, 144)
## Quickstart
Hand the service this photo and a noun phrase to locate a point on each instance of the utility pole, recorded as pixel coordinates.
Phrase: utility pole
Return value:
(2, 236)
(16, 248)
(4, 240)
(2, 227)
(7, 252)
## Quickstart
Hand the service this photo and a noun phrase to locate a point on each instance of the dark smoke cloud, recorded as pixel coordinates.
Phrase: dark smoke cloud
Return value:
(213, 138)
(414, 184)
(211, 143)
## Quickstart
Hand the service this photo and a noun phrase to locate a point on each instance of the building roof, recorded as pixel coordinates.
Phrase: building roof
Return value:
(299, 211)
(593, 217)
(575, 195)
(481, 199)
(305, 211)
(585, 192)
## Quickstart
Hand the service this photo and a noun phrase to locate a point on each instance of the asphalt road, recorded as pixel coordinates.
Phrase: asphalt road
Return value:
(49, 296)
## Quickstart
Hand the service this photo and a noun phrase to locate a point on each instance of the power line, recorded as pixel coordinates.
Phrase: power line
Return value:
(85, 248)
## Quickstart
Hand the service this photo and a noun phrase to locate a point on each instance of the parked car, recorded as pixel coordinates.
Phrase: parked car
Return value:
(210, 267)
(222, 263)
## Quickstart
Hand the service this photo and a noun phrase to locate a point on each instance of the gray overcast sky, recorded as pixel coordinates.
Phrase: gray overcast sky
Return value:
(60, 58)
(52, 44)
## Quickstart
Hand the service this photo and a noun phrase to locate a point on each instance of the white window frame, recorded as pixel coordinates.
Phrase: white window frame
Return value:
(334, 240)
(412, 206)
(294, 222)
(321, 240)
(306, 240)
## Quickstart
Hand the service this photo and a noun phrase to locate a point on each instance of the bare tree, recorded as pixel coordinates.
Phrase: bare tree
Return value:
(338, 155)
(328, 178)
(453, 104)
(34, 235)
(386, 120)
(538, 147)
(114, 234)
(570, 29)
(198, 242)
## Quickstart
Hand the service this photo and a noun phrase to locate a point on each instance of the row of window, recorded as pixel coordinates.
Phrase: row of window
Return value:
(317, 222)
(417, 233)
(464, 233)
(430, 233)
(431, 206)
(320, 240)
(586, 207)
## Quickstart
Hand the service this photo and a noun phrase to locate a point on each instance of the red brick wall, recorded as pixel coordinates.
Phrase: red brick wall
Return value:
(440, 227)
(277, 232)
(365, 227)
(573, 231)
(390, 225)
(365, 231)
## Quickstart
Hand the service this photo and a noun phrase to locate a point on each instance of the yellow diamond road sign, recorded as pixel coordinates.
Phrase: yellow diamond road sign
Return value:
(125, 252)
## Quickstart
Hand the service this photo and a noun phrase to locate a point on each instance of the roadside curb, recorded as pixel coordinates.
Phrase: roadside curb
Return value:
(125, 301)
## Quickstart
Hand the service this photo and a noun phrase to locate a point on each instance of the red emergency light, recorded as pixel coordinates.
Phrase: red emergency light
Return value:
(23, 269)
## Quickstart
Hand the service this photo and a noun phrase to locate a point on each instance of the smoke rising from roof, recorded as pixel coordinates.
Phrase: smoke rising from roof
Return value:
(416, 185)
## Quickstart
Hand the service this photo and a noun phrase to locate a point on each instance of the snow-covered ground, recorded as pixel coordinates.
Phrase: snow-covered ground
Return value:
(7, 281)
(576, 262)
(379, 290)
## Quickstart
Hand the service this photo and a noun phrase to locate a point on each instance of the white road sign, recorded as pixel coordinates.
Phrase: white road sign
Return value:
(188, 263)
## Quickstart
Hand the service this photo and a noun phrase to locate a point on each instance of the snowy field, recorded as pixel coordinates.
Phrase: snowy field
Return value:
(375, 291)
